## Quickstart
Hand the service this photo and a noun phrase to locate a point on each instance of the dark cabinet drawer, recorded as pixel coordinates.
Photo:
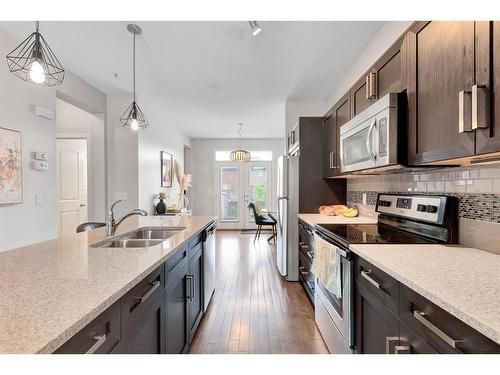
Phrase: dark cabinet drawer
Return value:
(383, 286)
(176, 262)
(439, 328)
(137, 300)
(99, 336)
(411, 343)
(306, 277)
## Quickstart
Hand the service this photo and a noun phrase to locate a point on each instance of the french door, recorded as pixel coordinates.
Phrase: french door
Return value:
(236, 185)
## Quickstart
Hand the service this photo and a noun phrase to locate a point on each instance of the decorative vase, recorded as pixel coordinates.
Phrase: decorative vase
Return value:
(161, 207)
(183, 205)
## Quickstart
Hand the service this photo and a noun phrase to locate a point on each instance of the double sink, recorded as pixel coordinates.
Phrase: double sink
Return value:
(143, 237)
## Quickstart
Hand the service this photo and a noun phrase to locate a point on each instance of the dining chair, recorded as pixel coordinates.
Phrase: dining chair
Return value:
(261, 221)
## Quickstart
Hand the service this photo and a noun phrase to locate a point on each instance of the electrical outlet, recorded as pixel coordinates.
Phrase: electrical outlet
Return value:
(364, 198)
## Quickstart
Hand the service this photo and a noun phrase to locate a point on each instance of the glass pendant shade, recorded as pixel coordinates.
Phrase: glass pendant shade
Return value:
(33, 60)
(240, 156)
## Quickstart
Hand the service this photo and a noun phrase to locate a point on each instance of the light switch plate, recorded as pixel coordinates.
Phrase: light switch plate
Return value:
(38, 199)
(364, 198)
(40, 165)
(41, 155)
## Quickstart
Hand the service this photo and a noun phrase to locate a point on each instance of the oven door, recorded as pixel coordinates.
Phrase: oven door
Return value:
(339, 310)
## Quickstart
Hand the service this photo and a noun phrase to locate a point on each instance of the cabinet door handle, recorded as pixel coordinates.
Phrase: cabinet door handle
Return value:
(480, 107)
(420, 316)
(366, 275)
(373, 85)
(191, 287)
(310, 254)
(367, 87)
(464, 112)
(302, 272)
(402, 349)
(188, 297)
(389, 342)
(155, 285)
(99, 341)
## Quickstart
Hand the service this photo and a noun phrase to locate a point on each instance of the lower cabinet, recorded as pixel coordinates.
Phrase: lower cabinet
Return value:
(417, 326)
(159, 315)
(195, 300)
(376, 327)
(176, 295)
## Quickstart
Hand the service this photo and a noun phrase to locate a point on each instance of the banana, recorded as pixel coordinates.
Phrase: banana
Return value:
(349, 212)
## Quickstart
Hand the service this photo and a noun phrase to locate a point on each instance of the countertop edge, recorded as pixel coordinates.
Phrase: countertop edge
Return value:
(62, 338)
(478, 325)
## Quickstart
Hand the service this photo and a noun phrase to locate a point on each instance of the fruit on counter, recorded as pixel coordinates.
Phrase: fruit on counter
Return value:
(331, 210)
(349, 212)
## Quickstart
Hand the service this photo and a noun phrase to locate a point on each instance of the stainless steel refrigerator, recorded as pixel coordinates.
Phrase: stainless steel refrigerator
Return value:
(287, 239)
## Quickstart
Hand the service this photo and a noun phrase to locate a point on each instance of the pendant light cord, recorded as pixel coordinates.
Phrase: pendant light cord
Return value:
(133, 66)
(239, 133)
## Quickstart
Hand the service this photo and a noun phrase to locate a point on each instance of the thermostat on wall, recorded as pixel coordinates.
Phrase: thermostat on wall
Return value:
(40, 155)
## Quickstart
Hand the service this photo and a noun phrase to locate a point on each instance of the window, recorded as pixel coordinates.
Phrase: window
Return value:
(255, 155)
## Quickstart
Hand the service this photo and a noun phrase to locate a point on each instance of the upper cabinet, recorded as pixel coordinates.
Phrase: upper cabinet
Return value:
(387, 75)
(450, 96)
(338, 116)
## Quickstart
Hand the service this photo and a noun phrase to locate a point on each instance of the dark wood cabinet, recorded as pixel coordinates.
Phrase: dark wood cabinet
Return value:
(145, 335)
(488, 76)
(195, 284)
(306, 255)
(376, 327)
(98, 337)
(176, 308)
(441, 65)
(330, 147)
(387, 75)
(411, 343)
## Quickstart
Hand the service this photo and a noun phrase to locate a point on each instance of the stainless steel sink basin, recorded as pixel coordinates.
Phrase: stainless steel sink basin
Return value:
(154, 233)
(131, 243)
(144, 237)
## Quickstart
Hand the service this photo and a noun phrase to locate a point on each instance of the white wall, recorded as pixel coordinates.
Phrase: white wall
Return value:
(25, 223)
(203, 167)
(384, 38)
(71, 120)
(160, 136)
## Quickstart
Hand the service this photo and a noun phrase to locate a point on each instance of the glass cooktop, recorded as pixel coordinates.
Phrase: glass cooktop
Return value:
(368, 234)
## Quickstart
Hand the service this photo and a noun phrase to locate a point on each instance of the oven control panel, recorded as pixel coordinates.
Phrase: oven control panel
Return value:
(416, 207)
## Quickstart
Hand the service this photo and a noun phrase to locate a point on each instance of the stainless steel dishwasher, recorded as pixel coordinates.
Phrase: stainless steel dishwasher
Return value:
(208, 264)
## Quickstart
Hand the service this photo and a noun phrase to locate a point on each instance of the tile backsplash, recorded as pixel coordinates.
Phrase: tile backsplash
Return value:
(476, 187)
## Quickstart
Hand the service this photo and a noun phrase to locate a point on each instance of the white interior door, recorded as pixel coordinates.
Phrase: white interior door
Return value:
(72, 183)
(258, 189)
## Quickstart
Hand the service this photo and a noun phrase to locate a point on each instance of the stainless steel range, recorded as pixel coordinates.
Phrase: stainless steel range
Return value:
(403, 219)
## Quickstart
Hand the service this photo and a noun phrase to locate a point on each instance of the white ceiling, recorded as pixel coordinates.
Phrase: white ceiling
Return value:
(211, 75)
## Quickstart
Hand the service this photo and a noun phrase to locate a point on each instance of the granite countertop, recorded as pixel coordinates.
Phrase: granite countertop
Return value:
(313, 219)
(463, 281)
(51, 290)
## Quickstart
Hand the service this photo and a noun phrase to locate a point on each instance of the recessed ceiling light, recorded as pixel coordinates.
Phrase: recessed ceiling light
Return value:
(255, 27)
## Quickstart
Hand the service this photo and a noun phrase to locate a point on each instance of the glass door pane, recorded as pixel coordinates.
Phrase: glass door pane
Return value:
(229, 194)
(258, 186)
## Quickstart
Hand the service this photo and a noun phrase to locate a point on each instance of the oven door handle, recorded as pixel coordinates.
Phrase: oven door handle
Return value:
(369, 145)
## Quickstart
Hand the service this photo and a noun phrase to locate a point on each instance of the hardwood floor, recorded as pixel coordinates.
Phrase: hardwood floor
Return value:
(253, 309)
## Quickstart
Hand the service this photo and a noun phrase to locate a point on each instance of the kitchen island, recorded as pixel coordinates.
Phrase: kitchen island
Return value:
(51, 290)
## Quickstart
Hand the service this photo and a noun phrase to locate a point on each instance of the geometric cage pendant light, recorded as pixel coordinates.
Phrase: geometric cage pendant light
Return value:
(133, 117)
(33, 60)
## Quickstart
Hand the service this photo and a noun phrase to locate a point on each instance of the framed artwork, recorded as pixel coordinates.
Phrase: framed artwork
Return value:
(166, 169)
(11, 175)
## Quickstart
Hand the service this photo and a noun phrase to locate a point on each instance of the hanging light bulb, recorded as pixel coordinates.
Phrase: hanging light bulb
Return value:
(134, 124)
(33, 60)
(133, 117)
(37, 74)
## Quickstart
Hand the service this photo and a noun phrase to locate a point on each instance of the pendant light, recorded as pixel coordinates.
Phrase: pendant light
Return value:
(240, 155)
(33, 60)
(255, 27)
(133, 117)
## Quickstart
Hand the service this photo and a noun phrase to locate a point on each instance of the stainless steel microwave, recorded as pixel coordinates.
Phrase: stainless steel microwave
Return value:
(369, 141)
